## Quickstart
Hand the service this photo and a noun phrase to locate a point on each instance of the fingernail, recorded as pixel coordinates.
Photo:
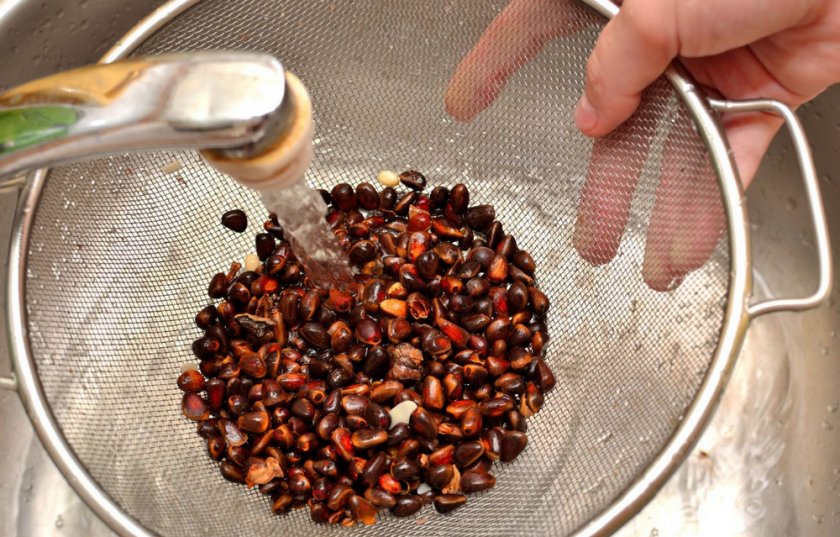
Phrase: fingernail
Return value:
(656, 270)
(585, 115)
(592, 242)
(663, 279)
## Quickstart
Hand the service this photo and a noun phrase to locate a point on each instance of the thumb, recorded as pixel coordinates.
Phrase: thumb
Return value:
(634, 48)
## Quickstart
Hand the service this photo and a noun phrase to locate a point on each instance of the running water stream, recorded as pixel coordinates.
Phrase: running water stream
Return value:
(301, 211)
(278, 174)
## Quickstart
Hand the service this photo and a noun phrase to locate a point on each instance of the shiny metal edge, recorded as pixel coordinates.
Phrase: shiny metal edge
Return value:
(623, 508)
(735, 322)
(145, 28)
(29, 386)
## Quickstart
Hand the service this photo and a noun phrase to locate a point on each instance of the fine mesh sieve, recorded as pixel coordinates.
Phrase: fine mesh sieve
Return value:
(118, 254)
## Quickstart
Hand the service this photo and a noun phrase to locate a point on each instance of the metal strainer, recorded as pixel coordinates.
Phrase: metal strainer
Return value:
(111, 258)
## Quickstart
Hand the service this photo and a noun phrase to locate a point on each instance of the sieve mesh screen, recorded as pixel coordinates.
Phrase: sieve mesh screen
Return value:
(121, 254)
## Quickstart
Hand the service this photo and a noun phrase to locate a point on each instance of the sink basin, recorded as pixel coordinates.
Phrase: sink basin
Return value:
(769, 463)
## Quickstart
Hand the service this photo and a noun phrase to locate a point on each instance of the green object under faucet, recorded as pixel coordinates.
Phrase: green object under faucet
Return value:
(26, 126)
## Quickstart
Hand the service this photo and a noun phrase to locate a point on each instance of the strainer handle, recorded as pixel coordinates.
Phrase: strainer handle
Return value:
(8, 383)
(812, 191)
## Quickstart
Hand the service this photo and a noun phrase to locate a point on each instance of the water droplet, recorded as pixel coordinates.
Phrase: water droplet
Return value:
(604, 438)
(833, 407)
(595, 487)
(59, 521)
(826, 425)
(654, 532)
(754, 508)
(790, 204)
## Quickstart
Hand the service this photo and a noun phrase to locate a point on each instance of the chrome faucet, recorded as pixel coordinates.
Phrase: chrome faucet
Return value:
(234, 103)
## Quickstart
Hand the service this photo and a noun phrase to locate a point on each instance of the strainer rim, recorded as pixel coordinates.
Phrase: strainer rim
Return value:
(627, 504)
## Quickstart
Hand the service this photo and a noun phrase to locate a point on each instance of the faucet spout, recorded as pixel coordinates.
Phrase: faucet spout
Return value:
(232, 102)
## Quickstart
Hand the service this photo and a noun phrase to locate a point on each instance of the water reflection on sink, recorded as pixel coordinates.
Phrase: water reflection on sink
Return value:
(732, 483)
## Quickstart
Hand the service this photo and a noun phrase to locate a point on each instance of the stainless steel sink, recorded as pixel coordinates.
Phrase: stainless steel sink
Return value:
(769, 464)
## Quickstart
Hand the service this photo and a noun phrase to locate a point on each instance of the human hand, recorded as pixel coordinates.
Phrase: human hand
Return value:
(778, 49)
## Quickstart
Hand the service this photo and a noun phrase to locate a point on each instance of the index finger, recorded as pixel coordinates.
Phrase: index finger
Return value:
(514, 37)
